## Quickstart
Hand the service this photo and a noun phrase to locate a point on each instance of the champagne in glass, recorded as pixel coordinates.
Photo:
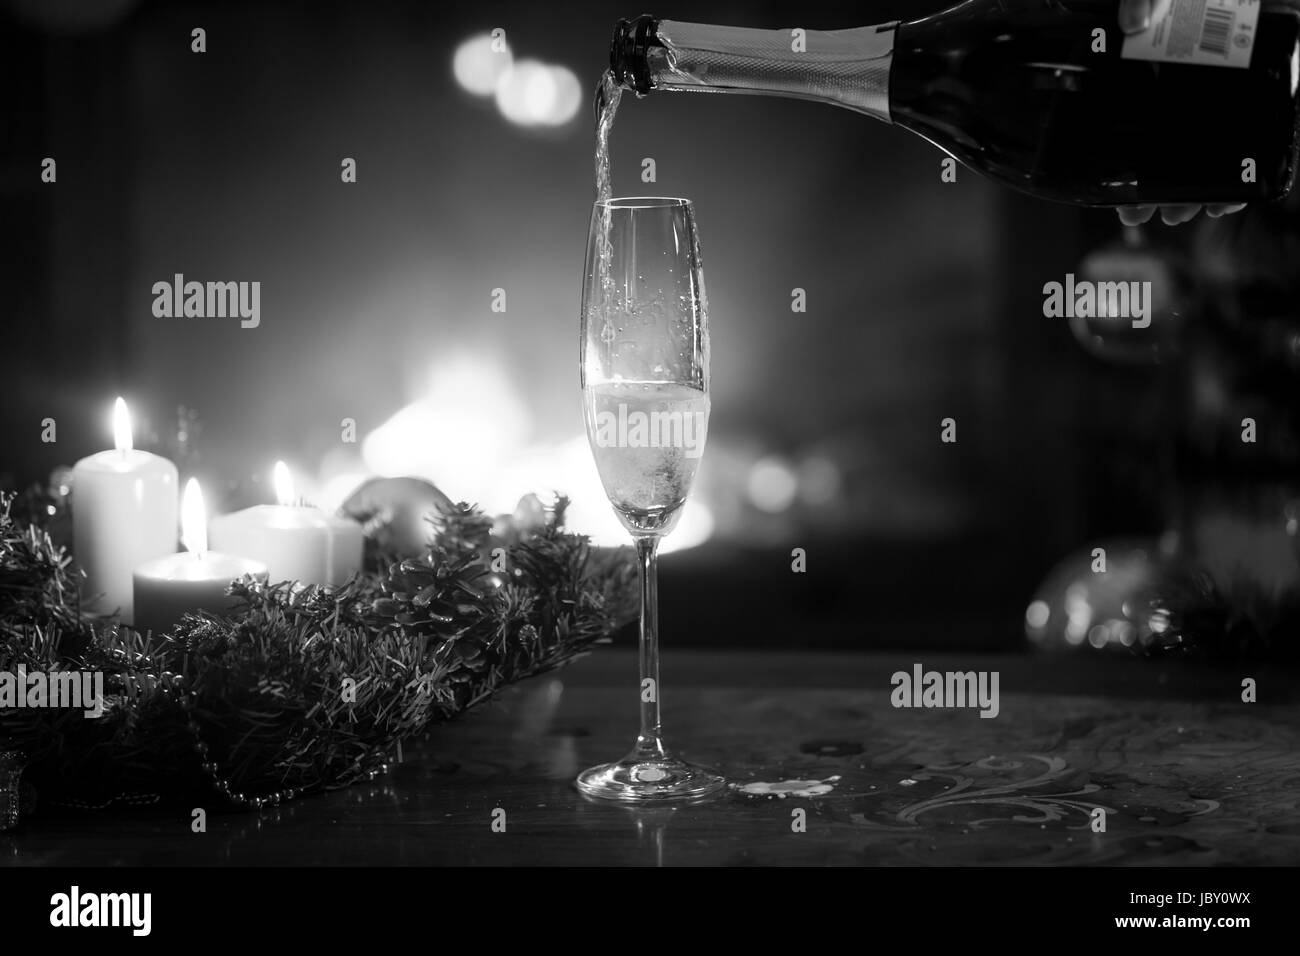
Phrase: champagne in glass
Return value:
(647, 438)
(645, 386)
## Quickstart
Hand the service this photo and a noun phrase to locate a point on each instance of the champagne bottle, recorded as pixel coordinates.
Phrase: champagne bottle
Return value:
(1046, 96)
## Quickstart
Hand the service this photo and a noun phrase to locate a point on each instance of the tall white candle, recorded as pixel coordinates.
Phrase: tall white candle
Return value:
(194, 580)
(124, 505)
(296, 542)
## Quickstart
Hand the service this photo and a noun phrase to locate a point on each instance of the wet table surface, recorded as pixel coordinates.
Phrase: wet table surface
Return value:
(1183, 772)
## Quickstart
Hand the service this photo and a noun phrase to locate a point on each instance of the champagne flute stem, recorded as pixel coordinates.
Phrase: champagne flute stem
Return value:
(648, 743)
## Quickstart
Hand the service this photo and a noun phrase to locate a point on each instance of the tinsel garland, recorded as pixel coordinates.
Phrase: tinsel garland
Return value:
(301, 689)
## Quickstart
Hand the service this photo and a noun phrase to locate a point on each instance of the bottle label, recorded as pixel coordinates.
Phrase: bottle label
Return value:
(1207, 32)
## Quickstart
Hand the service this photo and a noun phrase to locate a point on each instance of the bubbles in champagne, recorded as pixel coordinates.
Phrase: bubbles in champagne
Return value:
(647, 439)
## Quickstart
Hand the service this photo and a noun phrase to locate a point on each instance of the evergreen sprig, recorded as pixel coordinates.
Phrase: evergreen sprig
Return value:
(300, 688)
(38, 586)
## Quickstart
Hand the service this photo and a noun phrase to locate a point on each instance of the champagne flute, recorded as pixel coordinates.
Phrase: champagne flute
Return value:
(645, 388)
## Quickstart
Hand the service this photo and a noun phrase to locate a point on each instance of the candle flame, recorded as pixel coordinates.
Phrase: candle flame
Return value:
(283, 484)
(121, 426)
(194, 519)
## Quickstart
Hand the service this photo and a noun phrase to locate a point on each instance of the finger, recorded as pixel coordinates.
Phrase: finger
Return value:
(1135, 15)
(1159, 10)
(1135, 215)
(1216, 210)
(1179, 213)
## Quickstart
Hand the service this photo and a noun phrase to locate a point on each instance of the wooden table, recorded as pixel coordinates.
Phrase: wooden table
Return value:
(1185, 772)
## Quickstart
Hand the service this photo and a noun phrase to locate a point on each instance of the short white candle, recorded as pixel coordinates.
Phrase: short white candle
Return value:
(194, 580)
(296, 542)
(123, 513)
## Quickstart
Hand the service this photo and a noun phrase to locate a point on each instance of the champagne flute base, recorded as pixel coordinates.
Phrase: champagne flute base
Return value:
(649, 779)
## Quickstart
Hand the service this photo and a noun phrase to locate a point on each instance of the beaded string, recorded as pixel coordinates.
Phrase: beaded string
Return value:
(169, 683)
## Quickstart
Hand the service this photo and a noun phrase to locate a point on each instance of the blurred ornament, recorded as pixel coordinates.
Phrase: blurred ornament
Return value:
(1113, 338)
(397, 514)
(1189, 612)
(529, 518)
(1163, 599)
(1097, 600)
(49, 505)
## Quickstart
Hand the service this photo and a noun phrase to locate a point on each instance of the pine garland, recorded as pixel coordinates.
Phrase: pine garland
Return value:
(299, 689)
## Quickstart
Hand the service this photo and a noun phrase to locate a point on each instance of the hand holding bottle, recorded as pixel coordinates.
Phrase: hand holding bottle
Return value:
(1134, 17)
(1013, 89)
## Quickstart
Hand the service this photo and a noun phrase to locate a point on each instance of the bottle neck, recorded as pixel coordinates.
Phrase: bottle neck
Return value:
(845, 67)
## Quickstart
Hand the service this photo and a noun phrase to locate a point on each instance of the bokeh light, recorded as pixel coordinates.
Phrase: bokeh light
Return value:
(478, 67)
(527, 92)
(820, 482)
(772, 485)
(1037, 615)
(526, 95)
(533, 93)
(568, 95)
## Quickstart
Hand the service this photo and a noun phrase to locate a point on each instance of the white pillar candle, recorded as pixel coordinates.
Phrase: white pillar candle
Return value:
(194, 580)
(123, 513)
(296, 542)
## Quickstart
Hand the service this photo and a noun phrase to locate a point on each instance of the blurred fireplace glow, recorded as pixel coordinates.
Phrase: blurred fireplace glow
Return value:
(469, 420)
(471, 435)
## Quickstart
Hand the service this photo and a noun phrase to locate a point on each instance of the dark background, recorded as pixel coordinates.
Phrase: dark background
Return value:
(924, 301)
